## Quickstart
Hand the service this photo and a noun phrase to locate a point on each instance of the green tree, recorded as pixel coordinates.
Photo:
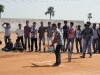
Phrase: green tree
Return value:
(89, 16)
(50, 11)
(1, 9)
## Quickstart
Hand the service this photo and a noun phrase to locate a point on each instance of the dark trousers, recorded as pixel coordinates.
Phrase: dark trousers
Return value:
(20, 49)
(41, 39)
(95, 45)
(78, 40)
(21, 38)
(87, 44)
(99, 45)
(65, 38)
(32, 43)
(57, 53)
(27, 38)
(6, 38)
(68, 46)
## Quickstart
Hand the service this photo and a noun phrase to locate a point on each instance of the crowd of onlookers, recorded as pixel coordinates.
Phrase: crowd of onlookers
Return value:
(83, 37)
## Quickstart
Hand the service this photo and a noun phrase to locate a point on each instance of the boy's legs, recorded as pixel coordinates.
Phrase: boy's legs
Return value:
(80, 43)
(36, 47)
(77, 45)
(40, 44)
(89, 47)
(72, 44)
(68, 44)
(29, 43)
(85, 47)
(43, 39)
(57, 53)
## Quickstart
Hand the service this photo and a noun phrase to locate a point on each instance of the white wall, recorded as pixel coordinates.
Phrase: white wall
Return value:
(15, 21)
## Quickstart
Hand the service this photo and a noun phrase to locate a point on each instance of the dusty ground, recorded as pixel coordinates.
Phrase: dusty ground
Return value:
(16, 63)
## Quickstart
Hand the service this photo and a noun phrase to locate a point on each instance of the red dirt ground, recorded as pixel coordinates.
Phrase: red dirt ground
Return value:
(16, 63)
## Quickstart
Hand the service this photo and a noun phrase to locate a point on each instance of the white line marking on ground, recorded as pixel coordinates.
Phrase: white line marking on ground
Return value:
(65, 66)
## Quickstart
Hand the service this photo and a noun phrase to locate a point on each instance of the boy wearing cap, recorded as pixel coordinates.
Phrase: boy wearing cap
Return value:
(78, 39)
(87, 35)
(34, 32)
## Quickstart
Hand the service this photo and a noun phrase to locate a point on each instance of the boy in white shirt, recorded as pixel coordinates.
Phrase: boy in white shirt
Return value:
(20, 33)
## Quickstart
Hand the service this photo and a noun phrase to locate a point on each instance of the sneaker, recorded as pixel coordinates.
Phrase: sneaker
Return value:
(99, 52)
(96, 52)
(36, 50)
(39, 49)
(82, 56)
(90, 56)
(77, 51)
(55, 64)
(30, 51)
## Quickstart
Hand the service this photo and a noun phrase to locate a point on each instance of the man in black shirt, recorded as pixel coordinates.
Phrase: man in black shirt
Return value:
(65, 32)
(41, 32)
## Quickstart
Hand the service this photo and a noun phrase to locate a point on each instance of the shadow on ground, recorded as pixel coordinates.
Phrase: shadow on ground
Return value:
(36, 66)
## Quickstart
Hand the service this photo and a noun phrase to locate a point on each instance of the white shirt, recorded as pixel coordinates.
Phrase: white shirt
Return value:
(20, 32)
(61, 29)
(78, 34)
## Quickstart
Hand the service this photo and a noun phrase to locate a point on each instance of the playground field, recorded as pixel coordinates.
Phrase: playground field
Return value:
(36, 63)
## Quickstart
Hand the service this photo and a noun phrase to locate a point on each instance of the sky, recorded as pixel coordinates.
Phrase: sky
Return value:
(64, 9)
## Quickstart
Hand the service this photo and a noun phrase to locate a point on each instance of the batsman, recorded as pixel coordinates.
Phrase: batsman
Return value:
(58, 38)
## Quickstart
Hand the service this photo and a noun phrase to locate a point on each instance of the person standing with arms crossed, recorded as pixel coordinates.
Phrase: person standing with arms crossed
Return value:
(34, 32)
(71, 35)
(7, 31)
(41, 32)
(58, 38)
(27, 31)
(65, 33)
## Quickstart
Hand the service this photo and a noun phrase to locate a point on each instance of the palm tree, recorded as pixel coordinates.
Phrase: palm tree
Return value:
(89, 16)
(50, 11)
(1, 9)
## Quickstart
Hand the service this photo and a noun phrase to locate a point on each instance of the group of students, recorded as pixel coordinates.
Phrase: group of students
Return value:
(69, 33)
(55, 34)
